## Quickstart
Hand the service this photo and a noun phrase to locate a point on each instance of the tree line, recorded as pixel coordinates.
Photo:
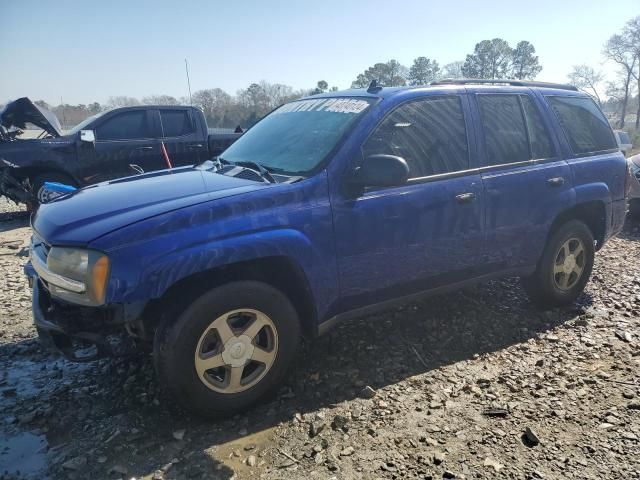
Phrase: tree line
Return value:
(490, 59)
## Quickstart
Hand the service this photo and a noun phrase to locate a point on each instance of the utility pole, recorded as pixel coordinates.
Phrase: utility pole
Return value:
(186, 67)
(64, 117)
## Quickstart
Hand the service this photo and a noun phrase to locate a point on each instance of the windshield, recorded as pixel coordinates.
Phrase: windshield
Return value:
(295, 138)
(84, 123)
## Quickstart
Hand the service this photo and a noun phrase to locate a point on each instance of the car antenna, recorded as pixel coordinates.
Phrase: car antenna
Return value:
(374, 87)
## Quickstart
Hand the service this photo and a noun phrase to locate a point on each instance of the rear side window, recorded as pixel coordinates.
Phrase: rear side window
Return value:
(124, 126)
(429, 134)
(176, 123)
(541, 146)
(584, 124)
(504, 129)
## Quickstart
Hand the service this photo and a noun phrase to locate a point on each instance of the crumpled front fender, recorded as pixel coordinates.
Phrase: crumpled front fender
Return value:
(12, 186)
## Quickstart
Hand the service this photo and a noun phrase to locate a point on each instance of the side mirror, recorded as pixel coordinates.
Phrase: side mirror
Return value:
(381, 171)
(87, 136)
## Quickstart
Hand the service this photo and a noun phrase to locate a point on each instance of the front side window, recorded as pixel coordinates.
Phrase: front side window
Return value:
(504, 127)
(296, 138)
(124, 126)
(586, 127)
(176, 123)
(429, 134)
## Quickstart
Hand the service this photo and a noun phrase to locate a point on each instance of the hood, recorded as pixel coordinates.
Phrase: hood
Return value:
(91, 212)
(23, 111)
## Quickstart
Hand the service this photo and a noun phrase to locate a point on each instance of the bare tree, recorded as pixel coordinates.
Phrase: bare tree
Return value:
(453, 70)
(588, 80)
(619, 49)
(159, 100)
(122, 101)
(631, 33)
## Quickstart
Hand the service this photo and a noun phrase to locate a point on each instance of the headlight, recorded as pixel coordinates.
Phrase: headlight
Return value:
(88, 271)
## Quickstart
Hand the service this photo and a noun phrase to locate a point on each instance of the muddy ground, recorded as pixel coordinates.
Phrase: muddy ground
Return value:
(475, 384)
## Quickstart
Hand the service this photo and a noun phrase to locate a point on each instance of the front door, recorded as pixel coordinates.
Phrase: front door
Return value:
(122, 140)
(395, 241)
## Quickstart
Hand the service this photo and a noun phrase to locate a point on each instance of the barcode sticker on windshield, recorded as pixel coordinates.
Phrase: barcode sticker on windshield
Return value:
(335, 105)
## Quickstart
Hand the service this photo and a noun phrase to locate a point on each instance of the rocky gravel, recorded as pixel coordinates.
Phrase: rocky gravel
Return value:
(474, 384)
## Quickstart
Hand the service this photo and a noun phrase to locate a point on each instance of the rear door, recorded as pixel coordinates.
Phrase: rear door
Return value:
(526, 181)
(183, 140)
(394, 241)
(124, 139)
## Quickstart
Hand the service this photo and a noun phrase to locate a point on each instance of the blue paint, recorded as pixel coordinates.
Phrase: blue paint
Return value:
(354, 250)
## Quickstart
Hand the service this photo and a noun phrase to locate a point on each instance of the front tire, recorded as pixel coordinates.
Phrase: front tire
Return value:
(38, 193)
(564, 267)
(228, 349)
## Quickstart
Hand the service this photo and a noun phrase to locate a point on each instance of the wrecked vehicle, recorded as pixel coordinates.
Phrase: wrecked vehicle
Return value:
(331, 206)
(109, 145)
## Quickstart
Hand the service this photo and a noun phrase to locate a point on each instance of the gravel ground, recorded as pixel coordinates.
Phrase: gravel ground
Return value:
(475, 384)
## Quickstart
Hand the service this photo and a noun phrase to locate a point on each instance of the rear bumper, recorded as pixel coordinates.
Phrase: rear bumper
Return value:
(618, 215)
(81, 334)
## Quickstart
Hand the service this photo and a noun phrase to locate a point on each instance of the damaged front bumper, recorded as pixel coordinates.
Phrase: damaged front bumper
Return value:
(82, 334)
(11, 186)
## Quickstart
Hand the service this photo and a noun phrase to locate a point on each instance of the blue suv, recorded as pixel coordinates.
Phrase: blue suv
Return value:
(329, 207)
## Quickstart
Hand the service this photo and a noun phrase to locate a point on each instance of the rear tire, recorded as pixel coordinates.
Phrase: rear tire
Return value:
(564, 267)
(227, 350)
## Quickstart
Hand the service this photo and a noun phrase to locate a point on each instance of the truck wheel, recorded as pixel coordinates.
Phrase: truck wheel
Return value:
(40, 195)
(228, 349)
(564, 268)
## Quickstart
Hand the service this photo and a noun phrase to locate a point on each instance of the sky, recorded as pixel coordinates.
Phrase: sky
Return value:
(84, 51)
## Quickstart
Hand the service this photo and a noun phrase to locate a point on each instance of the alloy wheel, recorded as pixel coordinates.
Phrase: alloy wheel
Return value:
(236, 351)
(569, 264)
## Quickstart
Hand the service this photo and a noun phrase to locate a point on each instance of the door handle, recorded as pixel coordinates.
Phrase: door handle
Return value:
(466, 197)
(144, 148)
(555, 181)
(194, 145)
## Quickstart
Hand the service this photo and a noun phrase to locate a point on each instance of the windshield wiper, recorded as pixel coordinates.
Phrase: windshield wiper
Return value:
(264, 171)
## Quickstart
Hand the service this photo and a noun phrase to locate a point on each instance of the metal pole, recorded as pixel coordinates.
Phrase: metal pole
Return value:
(186, 67)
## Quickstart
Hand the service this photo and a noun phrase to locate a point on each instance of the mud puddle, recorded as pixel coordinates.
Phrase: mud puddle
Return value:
(23, 455)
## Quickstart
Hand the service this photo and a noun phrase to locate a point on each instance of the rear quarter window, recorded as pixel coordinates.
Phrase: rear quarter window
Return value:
(176, 123)
(586, 128)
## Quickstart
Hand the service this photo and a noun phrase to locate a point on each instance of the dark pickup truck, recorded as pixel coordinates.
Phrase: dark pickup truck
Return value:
(109, 145)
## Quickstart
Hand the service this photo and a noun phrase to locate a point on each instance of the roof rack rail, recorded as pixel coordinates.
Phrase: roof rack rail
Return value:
(515, 83)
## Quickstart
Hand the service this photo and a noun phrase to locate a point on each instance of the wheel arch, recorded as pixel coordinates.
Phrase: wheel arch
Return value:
(34, 172)
(593, 213)
(280, 272)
